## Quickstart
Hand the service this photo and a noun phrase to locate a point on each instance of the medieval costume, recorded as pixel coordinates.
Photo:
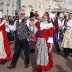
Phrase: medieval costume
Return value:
(67, 40)
(44, 57)
(32, 24)
(21, 40)
(4, 44)
(57, 24)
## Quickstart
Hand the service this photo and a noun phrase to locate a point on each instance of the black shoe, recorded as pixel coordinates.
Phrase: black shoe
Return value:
(3, 62)
(70, 54)
(0, 63)
(11, 67)
(66, 56)
(32, 50)
(40, 71)
(26, 65)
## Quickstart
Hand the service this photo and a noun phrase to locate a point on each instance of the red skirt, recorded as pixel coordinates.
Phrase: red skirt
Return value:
(45, 63)
(5, 44)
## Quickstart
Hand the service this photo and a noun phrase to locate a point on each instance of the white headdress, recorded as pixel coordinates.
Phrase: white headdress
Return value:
(51, 15)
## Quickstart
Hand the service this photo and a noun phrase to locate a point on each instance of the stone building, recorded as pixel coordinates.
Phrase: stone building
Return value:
(45, 5)
(9, 7)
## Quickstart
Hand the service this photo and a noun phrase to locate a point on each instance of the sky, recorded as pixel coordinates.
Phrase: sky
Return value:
(70, 2)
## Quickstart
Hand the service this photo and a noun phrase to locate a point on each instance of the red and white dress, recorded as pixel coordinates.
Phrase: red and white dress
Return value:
(4, 44)
(44, 58)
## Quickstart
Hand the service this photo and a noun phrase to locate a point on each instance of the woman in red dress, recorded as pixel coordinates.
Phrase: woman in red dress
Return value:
(44, 45)
(4, 44)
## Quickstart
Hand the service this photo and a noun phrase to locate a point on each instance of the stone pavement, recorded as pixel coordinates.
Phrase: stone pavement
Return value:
(60, 63)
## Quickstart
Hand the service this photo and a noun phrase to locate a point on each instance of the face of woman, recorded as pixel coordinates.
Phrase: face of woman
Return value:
(32, 18)
(70, 16)
(45, 17)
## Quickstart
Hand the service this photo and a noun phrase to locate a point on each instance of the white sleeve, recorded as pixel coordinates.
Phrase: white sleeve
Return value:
(42, 26)
(63, 26)
(28, 23)
(12, 27)
(7, 29)
(69, 25)
(59, 22)
(63, 22)
(50, 40)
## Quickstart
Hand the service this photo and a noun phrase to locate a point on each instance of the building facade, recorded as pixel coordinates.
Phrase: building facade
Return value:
(9, 7)
(37, 5)
(44, 5)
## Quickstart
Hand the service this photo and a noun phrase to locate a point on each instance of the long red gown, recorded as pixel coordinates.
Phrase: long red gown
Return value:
(5, 51)
(46, 32)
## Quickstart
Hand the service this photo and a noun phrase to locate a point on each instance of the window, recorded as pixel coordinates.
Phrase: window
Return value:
(24, 8)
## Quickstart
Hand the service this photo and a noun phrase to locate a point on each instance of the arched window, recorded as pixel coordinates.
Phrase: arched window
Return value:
(2, 4)
(13, 6)
(23, 7)
(7, 12)
(8, 6)
(30, 8)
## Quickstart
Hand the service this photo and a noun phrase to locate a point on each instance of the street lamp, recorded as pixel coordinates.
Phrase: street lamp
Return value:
(18, 4)
(2, 5)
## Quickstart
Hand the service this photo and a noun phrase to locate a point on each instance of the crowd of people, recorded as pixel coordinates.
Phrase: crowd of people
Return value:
(35, 34)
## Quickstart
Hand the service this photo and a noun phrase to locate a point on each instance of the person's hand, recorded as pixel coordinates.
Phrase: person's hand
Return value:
(50, 50)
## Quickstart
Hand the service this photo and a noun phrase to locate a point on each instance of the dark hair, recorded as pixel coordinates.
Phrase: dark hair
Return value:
(48, 17)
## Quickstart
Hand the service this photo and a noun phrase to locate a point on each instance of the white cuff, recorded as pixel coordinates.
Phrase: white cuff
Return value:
(50, 40)
(35, 31)
(11, 27)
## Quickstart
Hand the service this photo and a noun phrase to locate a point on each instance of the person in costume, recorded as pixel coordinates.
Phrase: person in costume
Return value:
(67, 40)
(36, 15)
(57, 24)
(33, 25)
(44, 44)
(5, 51)
(21, 39)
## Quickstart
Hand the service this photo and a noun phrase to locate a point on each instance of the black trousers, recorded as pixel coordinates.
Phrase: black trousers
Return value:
(67, 51)
(19, 45)
(10, 36)
(57, 47)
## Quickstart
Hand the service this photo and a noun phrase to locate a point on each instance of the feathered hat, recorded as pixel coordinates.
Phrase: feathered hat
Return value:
(31, 14)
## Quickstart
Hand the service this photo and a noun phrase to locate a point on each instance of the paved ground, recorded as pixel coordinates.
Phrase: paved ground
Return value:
(60, 64)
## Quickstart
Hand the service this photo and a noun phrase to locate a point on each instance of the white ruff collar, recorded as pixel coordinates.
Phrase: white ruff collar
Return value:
(45, 25)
